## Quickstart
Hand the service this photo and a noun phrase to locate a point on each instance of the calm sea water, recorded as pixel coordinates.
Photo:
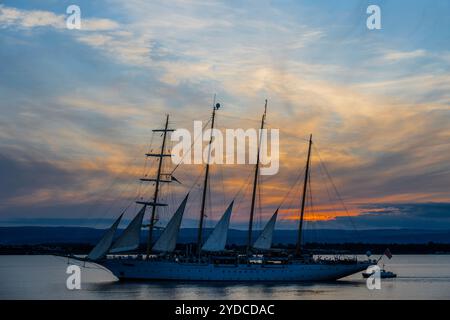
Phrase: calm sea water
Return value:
(44, 277)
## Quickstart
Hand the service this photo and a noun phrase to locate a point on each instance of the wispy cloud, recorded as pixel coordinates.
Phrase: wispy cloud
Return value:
(27, 19)
(395, 56)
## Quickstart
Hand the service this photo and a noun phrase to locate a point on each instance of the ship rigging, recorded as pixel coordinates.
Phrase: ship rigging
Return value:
(210, 260)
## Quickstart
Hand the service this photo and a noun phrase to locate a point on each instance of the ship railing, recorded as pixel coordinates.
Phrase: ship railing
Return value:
(337, 259)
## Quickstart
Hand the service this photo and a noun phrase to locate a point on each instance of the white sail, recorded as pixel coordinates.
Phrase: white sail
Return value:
(218, 237)
(168, 239)
(264, 241)
(130, 237)
(105, 242)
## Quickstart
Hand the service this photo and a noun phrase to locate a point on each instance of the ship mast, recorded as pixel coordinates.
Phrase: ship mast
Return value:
(255, 183)
(302, 211)
(205, 182)
(157, 181)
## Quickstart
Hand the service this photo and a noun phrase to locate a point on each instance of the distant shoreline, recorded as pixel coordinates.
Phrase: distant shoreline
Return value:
(316, 248)
(76, 240)
(32, 235)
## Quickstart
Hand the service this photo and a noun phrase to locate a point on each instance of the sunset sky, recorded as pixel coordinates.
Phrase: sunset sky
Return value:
(78, 106)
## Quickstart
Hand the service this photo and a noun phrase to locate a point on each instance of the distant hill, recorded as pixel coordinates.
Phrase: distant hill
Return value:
(49, 235)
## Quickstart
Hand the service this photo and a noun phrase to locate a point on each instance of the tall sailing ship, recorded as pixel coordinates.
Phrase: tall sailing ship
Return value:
(209, 260)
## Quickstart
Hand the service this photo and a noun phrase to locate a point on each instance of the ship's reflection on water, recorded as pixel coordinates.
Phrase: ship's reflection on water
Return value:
(170, 290)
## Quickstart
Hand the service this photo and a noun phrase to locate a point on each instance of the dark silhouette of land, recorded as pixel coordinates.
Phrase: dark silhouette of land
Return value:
(317, 248)
(77, 240)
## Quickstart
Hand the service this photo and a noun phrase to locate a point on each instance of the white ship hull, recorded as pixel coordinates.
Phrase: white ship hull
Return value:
(133, 269)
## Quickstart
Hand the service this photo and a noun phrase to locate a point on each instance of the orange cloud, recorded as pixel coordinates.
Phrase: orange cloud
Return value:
(320, 213)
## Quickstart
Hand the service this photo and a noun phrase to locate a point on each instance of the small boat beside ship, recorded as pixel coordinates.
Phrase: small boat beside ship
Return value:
(209, 260)
(384, 274)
